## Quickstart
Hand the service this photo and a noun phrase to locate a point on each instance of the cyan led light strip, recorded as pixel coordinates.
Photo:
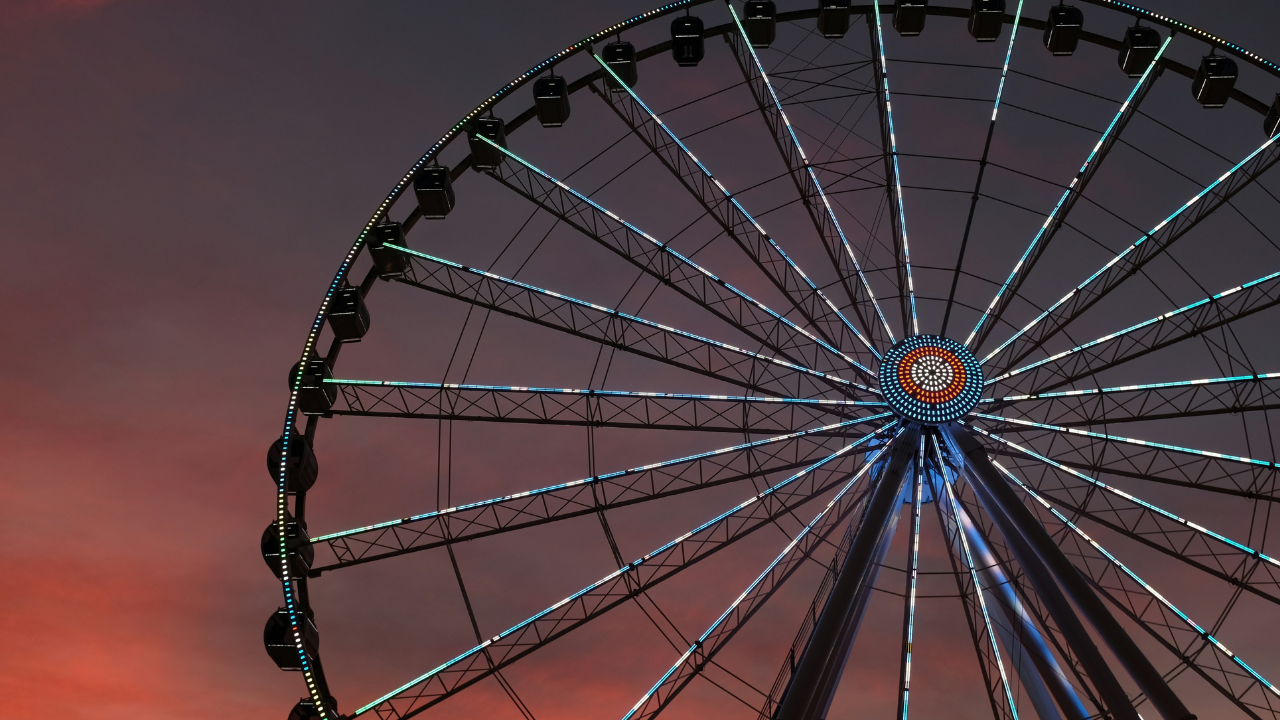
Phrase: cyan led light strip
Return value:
(786, 552)
(917, 496)
(893, 152)
(734, 201)
(1053, 215)
(1004, 73)
(1125, 440)
(1151, 590)
(599, 478)
(1126, 331)
(632, 318)
(1135, 388)
(1131, 498)
(973, 574)
(630, 567)
(813, 176)
(680, 258)
(604, 393)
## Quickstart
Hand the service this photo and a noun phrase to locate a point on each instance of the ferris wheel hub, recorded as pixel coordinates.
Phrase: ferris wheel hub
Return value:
(930, 379)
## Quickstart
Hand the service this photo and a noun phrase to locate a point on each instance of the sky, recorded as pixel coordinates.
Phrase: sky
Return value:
(182, 179)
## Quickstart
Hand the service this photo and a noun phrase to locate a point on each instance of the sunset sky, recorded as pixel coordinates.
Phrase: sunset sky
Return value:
(181, 180)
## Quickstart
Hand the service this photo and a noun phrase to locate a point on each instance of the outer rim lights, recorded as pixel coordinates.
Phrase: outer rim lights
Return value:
(930, 379)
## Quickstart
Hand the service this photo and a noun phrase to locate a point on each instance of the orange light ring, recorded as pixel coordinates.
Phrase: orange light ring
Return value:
(934, 397)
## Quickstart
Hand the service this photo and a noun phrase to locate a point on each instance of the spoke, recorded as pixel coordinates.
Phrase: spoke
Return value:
(1181, 635)
(1169, 464)
(971, 593)
(757, 593)
(1125, 265)
(670, 267)
(982, 168)
(581, 497)
(1151, 401)
(894, 172)
(812, 304)
(1147, 336)
(586, 407)
(617, 587)
(1057, 217)
(815, 200)
(1013, 425)
(619, 330)
(1155, 527)
(913, 575)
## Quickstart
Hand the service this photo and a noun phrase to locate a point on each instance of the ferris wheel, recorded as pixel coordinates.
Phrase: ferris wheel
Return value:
(856, 311)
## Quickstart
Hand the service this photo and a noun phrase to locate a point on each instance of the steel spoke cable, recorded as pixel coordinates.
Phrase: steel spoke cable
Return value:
(1083, 175)
(742, 211)
(721, 630)
(743, 40)
(979, 590)
(837, 155)
(982, 167)
(683, 546)
(1206, 635)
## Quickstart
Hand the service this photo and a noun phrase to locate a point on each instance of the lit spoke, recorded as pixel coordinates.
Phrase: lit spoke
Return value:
(669, 266)
(580, 497)
(617, 587)
(1158, 528)
(1058, 215)
(1131, 259)
(806, 180)
(1150, 401)
(595, 408)
(617, 329)
(913, 575)
(757, 593)
(895, 182)
(745, 230)
(951, 511)
(1149, 335)
(1258, 692)
(1018, 422)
